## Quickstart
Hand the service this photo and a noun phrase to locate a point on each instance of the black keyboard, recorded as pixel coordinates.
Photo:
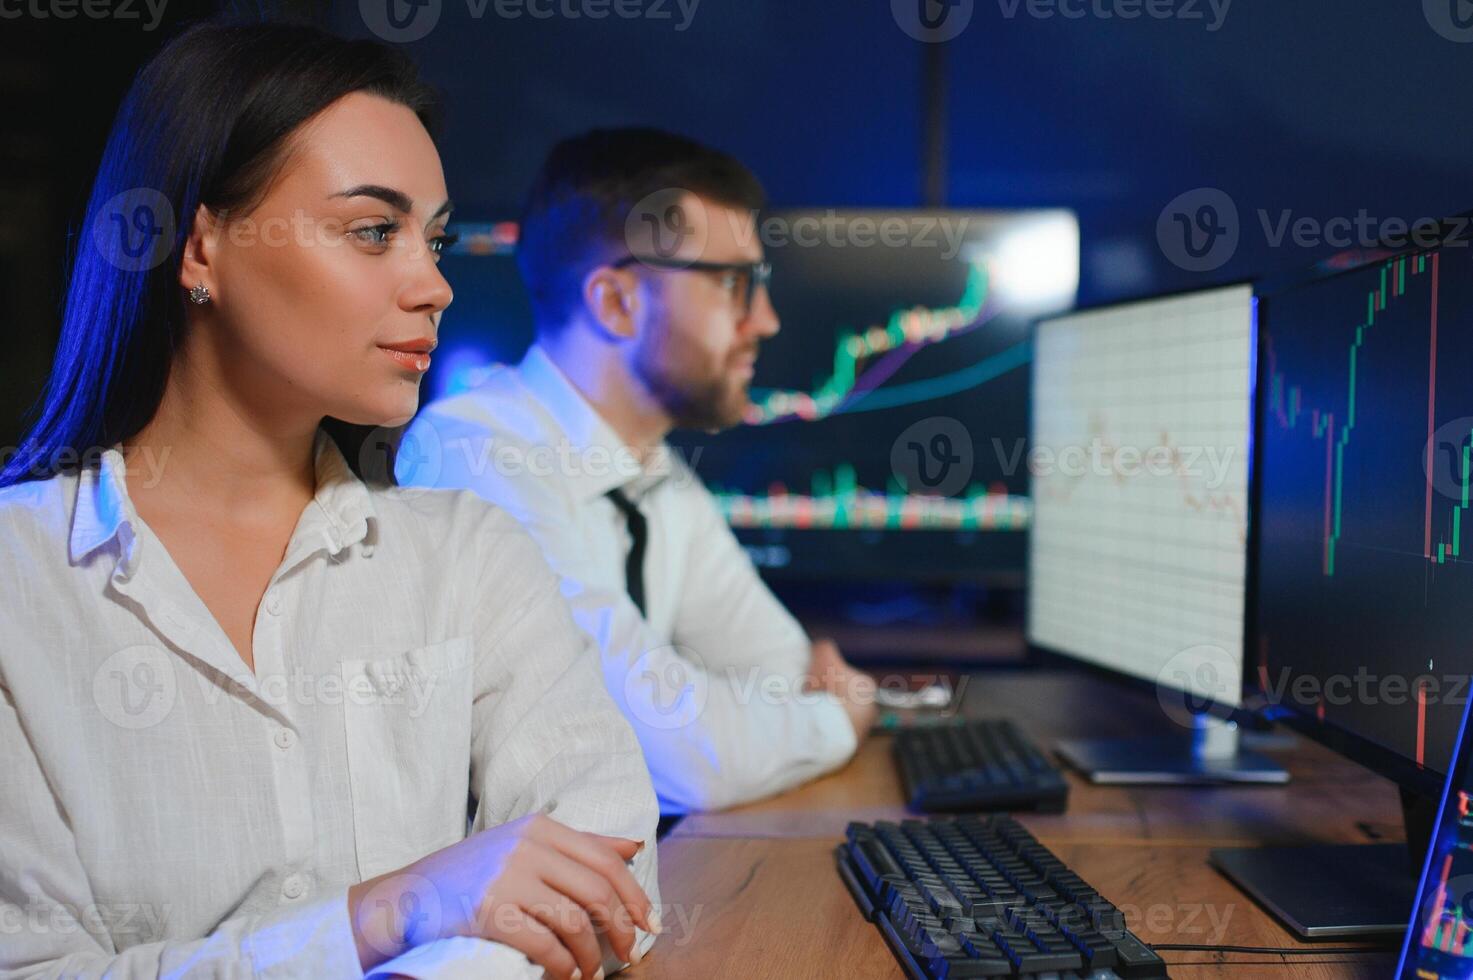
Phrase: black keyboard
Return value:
(977, 765)
(978, 896)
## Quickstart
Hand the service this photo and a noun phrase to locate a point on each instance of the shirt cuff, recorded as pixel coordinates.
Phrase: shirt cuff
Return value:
(457, 958)
(837, 738)
(468, 958)
(311, 939)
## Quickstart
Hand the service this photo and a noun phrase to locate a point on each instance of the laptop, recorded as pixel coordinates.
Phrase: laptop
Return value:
(1439, 939)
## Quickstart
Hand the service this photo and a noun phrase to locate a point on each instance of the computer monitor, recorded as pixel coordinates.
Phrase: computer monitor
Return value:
(1437, 944)
(889, 427)
(1141, 420)
(1364, 579)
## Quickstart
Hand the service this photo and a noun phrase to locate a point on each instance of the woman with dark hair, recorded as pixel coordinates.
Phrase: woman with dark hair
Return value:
(248, 693)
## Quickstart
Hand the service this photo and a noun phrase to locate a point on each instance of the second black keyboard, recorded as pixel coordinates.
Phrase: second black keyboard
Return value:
(977, 765)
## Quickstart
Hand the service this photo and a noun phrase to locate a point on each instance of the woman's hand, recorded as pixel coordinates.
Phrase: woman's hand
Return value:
(534, 885)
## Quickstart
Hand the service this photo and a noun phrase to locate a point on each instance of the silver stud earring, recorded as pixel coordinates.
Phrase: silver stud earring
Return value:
(199, 295)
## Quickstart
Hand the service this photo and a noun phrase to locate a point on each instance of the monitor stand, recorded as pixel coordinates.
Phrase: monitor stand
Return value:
(1336, 891)
(1207, 752)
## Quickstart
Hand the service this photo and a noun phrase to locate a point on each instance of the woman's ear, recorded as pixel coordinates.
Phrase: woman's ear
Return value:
(197, 265)
(611, 297)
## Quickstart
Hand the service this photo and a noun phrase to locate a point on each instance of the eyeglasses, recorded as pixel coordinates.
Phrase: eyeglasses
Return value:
(740, 279)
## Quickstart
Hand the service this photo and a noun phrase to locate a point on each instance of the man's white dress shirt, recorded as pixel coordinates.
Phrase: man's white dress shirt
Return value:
(711, 674)
(165, 811)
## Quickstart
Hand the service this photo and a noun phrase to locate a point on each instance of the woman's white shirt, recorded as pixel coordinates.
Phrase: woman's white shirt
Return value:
(164, 810)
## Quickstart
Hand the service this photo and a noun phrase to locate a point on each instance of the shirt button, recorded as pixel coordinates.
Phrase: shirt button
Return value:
(294, 887)
(273, 603)
(286, 738)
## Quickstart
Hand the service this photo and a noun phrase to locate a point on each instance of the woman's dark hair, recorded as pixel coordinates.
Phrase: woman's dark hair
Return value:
(207, 121)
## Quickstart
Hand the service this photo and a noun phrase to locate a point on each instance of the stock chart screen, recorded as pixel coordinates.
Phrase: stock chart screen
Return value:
(1365, 560)
(888, 427)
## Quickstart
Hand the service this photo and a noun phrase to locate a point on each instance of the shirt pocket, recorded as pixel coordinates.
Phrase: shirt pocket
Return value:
(408, 725)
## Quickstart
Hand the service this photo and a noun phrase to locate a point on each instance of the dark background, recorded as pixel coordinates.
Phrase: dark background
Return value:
(1321, 107)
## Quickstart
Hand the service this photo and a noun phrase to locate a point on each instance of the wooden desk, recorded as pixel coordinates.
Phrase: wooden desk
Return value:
(775, 908)
(1329, 799)
(753, 892)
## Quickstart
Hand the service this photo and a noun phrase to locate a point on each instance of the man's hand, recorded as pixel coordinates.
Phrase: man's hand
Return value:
(828, 671)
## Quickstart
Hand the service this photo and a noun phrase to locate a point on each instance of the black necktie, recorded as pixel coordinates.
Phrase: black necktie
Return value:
(638, 532)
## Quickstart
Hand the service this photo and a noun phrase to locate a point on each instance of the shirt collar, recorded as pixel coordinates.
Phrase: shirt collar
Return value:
(343, 498)
(103, 510)
(597, 460)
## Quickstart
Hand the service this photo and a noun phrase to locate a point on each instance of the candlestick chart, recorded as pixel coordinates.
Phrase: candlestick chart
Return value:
(1365, 570)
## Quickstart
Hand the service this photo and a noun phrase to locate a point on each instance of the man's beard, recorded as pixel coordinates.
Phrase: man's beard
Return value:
(706, 404)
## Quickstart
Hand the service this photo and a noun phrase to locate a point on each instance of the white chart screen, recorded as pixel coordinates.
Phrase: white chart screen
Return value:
(1139, 462)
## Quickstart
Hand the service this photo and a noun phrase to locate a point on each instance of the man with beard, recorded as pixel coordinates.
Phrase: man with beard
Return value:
(641, 256)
